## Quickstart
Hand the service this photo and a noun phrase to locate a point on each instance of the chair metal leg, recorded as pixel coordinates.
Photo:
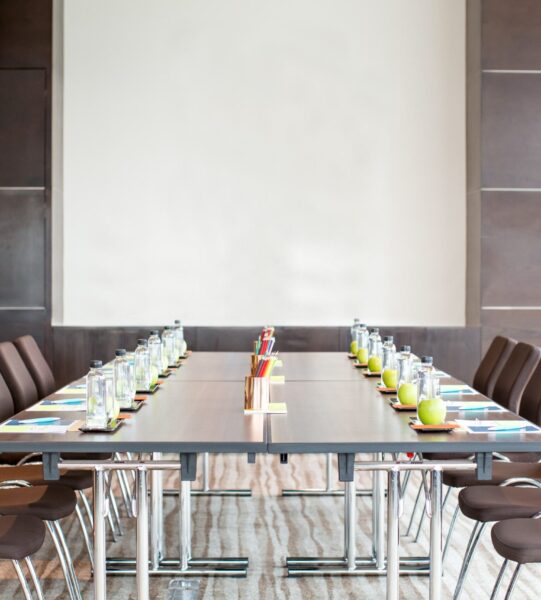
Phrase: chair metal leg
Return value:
(35, 579)
(414, 510)
(499, 580)
(472, 545)
(450, 532)
(22, 580)
(86, 535)
(512, 582)
(114, 520)
(62, 559)
(421, 521)
(86, 506)
(126, 493)
(69, 560)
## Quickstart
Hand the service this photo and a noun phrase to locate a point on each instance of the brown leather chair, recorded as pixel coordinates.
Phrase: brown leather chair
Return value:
(515, 375)
(36, 364)
(491, 364)
(20, 537)
(517, 540)
(19, 381)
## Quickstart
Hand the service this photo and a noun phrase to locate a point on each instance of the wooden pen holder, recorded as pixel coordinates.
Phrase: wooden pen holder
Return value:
(254, 362)
(256, 393)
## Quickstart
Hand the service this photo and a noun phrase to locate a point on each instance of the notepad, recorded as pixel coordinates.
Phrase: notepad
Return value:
(73, 404)
(475, 406)
(73, 389)
(456, 389)
(22, 426)
(479, 426)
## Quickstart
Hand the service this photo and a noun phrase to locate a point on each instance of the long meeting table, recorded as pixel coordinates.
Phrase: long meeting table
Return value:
(331, 408)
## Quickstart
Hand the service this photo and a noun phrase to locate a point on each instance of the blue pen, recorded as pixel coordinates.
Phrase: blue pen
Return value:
(498, 429)
(71, 401)
(41, 421)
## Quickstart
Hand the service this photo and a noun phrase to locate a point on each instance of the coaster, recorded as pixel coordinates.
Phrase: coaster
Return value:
(166, 374)
(402, 407)
(109, 429)
(140, 398)
(135, 406)
(350, 355)
(152, 390)
(359, 365)
(416, 425)
(372, 374)
(385, 390)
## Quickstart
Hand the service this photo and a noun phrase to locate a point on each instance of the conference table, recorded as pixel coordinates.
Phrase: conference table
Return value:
(331, 408)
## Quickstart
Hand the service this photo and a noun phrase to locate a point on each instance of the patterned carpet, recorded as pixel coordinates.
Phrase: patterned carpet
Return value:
(267, 527)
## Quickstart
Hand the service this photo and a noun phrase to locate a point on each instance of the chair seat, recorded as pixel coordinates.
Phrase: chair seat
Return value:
(518, 540)
(20, 536)
(76, 480)
(501, 471)
(47, 502)
(531, 457)
(487, 504)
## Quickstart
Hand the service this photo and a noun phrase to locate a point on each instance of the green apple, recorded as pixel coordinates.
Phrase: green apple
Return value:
(362, 355)
(432, 411)
(407, 393)
(354, 347)
(389, 378)
(374, 364)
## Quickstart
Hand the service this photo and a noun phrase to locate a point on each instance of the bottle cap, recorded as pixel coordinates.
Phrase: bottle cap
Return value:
(177, 321)
(388, 338)
(167, 327)
(364, 325)
(120, 352)
(426, 360)
(405, 349)
(374, 330)
(154, 332)
(142, 342)
(96, 364)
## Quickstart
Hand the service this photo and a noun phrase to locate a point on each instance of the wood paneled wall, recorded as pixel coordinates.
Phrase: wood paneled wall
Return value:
(510, 224)
(25, 169)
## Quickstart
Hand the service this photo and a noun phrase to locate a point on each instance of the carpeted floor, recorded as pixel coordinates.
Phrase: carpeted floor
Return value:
(268, 527)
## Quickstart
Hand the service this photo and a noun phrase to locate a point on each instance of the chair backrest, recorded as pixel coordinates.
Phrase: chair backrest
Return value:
(7, 408)
(36, 364)
(530, 405)
(515, 375)
(16, 375)
(491, 364)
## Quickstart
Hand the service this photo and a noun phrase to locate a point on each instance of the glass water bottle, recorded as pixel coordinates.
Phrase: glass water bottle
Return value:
(374, 351)
(431, 409)
(389, 370)
(407, 386)
(354, 342)
(121, 379)
(141, 366)
(181, 341)
(96, 411)
(168, 347)
(155, 351)
(362, 343)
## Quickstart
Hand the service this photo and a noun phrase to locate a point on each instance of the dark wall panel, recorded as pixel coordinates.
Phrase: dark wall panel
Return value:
(456, 349)
(511, 131)
(511, 249)
(22, 248)
(23, 112)
(511, 33)
(523, 325)
(25, 33)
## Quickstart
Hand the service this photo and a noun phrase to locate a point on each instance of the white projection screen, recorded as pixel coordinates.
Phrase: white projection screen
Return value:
(239, 162)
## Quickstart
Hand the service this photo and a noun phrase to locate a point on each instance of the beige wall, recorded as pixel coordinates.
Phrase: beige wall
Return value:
(244, 161)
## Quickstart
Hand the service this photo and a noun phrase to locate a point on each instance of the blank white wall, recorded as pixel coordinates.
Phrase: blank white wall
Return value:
(244, 161)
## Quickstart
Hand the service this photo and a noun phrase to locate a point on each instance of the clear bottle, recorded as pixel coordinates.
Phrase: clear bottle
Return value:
(183, 343)
(374, 351)
(389, 370)
(168, 347)
(362, 340)
(407, 386)
(155, 351)
(141, 366)
(353, 330)
(431, 409)
(112, 407)
(179, 339)
(96, 410)
(122, 379)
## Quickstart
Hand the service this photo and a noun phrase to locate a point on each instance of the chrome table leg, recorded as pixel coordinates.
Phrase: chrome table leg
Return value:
(378, 515)
(142, 535)
(100, 510)
(156, 518)
(393, 534)
(436, 556)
